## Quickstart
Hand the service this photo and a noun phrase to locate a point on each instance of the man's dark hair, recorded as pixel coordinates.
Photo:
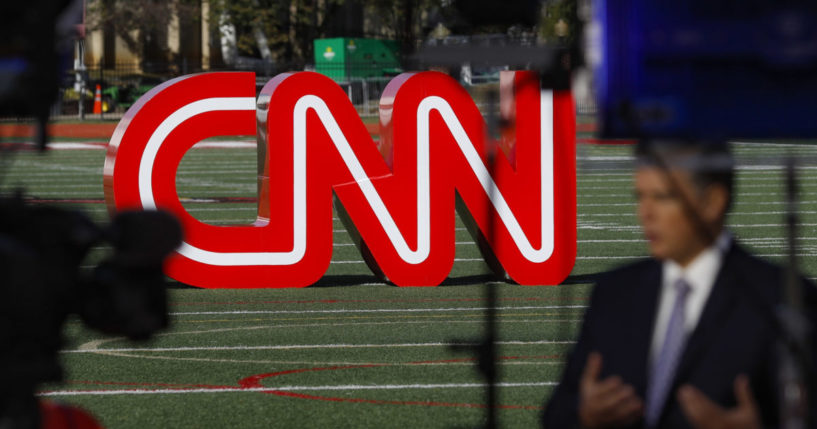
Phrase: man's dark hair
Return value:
(709, 163)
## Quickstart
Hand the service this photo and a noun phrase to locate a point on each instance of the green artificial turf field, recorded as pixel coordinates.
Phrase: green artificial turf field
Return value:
(352, 351)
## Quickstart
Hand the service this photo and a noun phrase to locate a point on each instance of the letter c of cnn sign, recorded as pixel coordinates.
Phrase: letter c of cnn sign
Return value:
(520, 202)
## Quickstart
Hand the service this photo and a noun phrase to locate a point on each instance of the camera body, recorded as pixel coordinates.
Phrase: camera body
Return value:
(42, 283)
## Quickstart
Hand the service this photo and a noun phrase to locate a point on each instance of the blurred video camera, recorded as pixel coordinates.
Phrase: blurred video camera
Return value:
(42, 248)
(42, 283)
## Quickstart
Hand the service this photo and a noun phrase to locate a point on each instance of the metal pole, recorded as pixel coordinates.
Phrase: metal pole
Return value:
(102, 82)
(79, 79)
(365, 88)
(793, 347)
(488, 356)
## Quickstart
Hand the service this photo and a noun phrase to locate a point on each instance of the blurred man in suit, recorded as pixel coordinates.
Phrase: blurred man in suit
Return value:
(686, 338)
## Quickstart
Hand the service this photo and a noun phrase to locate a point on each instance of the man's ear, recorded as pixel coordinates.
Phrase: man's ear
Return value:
(716, 200)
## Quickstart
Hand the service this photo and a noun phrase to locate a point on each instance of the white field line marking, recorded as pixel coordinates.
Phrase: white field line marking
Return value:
(246, 144)
(636, 240)
(357, 262)
(764, 225)
(630, 195)
(582, 258)
(77, 185)
(738, 203)
(749, 172)
(376, 310)
(764, 145)
(244, 169)
(590, 258)
(305, 347)
(61, 194)
(617, 226)
(578, 258)
(319, 363)
(73, 181)
(458, 243)
(605, 158)
(624, 186)
(780, 245)
(226, 144)
(343, 262)
(93, 346)
(763, 255)
(209, 184)
(72, 145)
(346, 387)
(773, 241)
(732, 214)
(739, 186)
(769, 167)
(249, 208)
(43, 167)
(237, 171)
(343, 230)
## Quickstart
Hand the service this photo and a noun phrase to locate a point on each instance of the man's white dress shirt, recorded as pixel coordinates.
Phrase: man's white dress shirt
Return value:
(700, 274)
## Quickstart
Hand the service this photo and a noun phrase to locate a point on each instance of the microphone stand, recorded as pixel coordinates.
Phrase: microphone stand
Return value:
(485, 348)
(793, 346)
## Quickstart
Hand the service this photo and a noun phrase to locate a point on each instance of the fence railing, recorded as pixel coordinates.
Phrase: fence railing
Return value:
(123, 84)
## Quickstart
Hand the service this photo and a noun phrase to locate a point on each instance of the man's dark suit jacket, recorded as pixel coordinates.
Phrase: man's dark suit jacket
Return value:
(735, 335)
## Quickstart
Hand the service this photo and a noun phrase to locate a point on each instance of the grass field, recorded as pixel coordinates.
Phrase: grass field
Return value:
(352, 351)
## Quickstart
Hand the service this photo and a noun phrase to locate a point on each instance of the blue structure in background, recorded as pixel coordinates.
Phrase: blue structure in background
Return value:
(707, 68)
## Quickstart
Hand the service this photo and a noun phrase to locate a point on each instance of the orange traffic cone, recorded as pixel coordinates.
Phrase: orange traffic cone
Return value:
(98, 100)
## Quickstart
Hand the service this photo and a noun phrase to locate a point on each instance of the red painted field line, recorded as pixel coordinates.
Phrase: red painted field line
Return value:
(87, 130)
(254, 382)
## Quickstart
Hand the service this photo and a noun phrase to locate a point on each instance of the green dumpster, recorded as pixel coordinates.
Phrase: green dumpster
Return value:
(344, 59)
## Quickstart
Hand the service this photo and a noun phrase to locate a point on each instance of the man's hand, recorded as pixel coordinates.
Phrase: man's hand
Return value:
(705, 414)
(606, 403)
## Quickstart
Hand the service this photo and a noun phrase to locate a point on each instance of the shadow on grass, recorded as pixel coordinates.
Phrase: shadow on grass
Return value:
(359, 279)
(582, 278)
(362, 279)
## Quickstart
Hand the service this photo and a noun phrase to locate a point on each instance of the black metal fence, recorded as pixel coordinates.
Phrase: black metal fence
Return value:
(122, 84)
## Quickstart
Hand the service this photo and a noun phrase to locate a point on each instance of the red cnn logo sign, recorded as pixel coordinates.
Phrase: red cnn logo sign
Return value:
(399, 197)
